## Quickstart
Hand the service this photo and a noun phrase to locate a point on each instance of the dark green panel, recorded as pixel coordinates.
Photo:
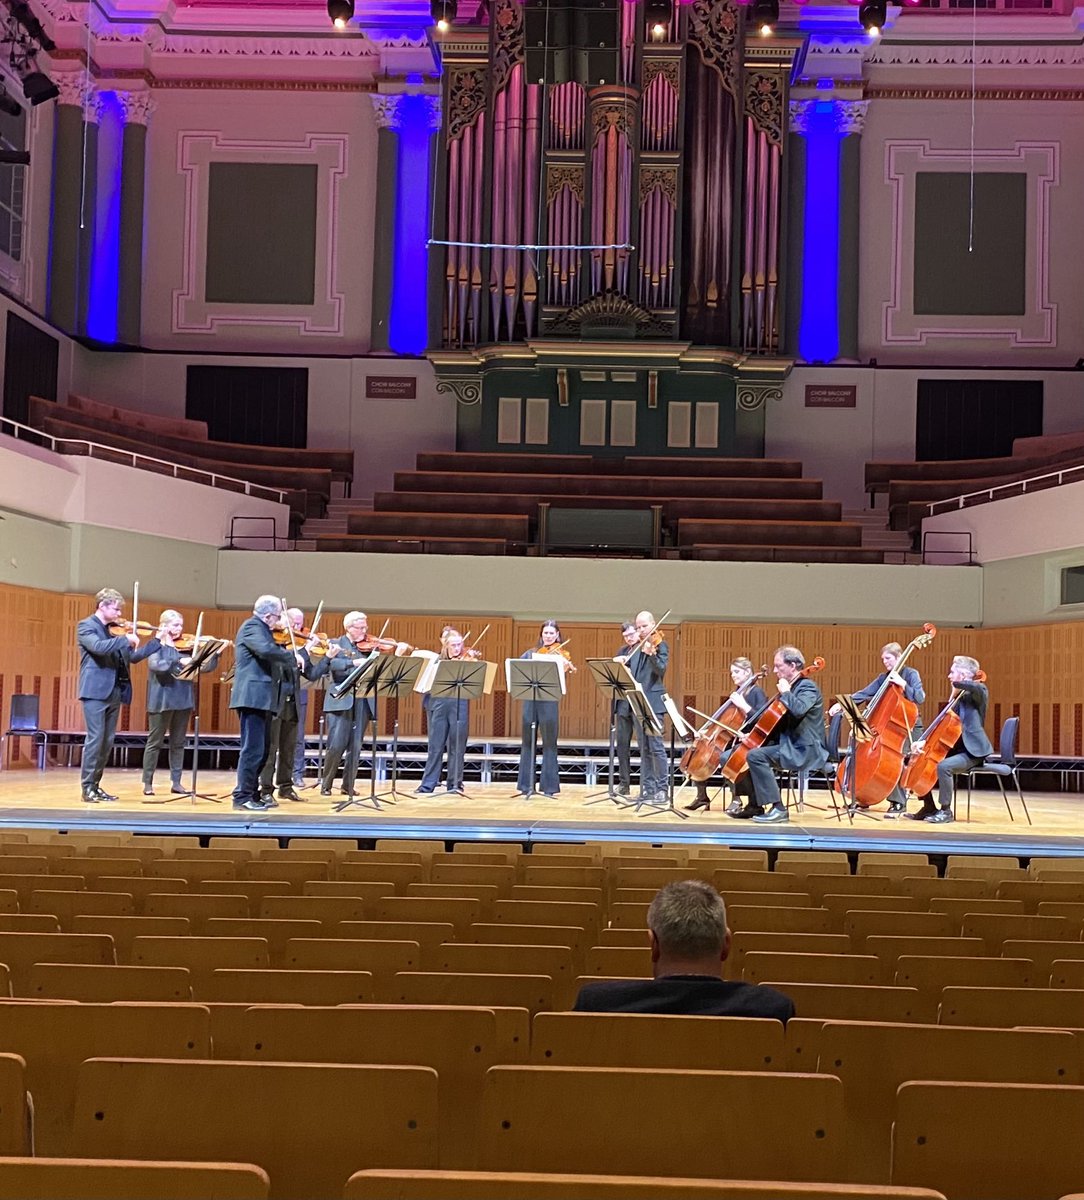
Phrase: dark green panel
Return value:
(988, 279)
(261, 233)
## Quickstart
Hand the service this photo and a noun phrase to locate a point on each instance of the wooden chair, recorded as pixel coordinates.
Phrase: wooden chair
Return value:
(499, 1185)
(544, 912)
(192, 870)
(726, 879)
(931, 974)
(43, 922)
(768, 899)
(620, 937)
(138, 889)
(140, 853)
(860, 925)
(872, 1059)
(571, 936)
(25, 885)
(858, 1002)
(589, 853)
(426, 848)
(487, 958)
(15, 1112)
(461, 914)
(559, 895)
(927, 889)
(997, 928)
(653, 1041)
(544, 875)
(198, 909)
(389, 856)
(381, 959)
(509, 851)
(1006, 1007)
(255, 891)
(532, 993)
(778, 920)
(869, 860)
(889, 948)
(1033, 892)
(345, 1116)
(848, 885)
(125, 930)
(9, 901)
(296, 874)
(346, 887)
(1067, 973)
(277, 933)
(20, 951)
(836, 858)
(305, 853)
(629, 916)
(619, 961)
(337, 845)
(66, 906)
(54, 1039)
(900, 872)
(281, 986)
(793, 943)
(989, 1141)
(327, 910)
(763, 966)
(23, 864)
(429, 935)
(105, 985)
(485, 893)
(578, 1119)
(1042, 954)
(993, 875)
(201, 955)
(723, 857)
(502, 877)
(121, 1179)
(249, 843)
(395, 875)
(459, 1044)
(998, 862)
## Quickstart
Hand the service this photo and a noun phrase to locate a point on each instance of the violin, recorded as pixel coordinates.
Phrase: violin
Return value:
(701, 760)
(558, 648)
(300, 637)
(381, 645)
(764, 726)
(143, 629)
(920, 774)
(186, 643)
(868, 774)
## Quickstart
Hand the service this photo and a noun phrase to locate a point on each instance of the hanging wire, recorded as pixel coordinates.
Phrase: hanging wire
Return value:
(974, 69)
(85, 110)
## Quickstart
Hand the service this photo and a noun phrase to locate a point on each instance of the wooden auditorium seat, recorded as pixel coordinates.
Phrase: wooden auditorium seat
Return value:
(107, 984)
(20, 951)
(153, 422)
(127, 1179)
(15, 1111)
(533, 993)
(283, 986)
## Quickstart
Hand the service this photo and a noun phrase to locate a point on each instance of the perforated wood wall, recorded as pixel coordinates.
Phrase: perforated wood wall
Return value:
(1033, 672)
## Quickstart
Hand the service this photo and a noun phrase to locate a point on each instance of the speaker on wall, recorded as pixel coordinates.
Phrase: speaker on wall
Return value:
(577, 43)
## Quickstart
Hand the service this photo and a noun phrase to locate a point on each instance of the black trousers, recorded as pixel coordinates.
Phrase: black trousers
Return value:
(544, 712)
(100, 718)
(278, 770)
(174, 724)
(449, 720)
(255, 743)
(345, 734)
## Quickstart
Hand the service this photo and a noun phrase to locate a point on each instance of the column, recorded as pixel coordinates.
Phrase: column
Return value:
(852, 122)
(75, 170)
(385, 109)
(136, 110)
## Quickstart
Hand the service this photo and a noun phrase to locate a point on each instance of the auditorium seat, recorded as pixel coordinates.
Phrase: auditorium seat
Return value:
(107, 984)
(530, 992)
(15, 1112)
(858, 1002)
(1006, 1007)
(124, 1179)
(282, 986)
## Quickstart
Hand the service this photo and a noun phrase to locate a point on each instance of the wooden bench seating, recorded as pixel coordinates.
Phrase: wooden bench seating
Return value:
(586, 464)
(175, 426)
(769, 533)
(543, 485)
(908, 500)
(833, 554)
(880, 476)
(508, 526)
(393, 543)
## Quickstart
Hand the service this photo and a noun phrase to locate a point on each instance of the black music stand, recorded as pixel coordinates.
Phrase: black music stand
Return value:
(205, 659)
(458, 679)
(534, 679)
(362, 682)
(648, 724)
(397, 675)
(616, 679)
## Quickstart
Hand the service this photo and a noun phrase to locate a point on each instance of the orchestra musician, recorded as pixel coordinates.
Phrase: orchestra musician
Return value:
(747, 699)
(911, 682)
(970, 748)
(170, 702)
(278, 770)
(623, 718)
(105, 683)
(648, 666)
(449, 723)
(257, 681)
(543, 714)
(797, 743)
(348, 716)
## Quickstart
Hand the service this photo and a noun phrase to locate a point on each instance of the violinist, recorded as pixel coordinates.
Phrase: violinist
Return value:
(170, 702)
(910, 681)
(746, 698)
(278, 770)
(623, 717)
(105, 683)
(970, 748)
(648, 664)
(796, 743)
(259, 671)
(540, 714)
(449, 723)
(348, 716)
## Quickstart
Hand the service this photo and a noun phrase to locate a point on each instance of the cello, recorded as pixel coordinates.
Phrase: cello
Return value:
(920, 774)
(867, 775)
(701, 760)
(766, 721)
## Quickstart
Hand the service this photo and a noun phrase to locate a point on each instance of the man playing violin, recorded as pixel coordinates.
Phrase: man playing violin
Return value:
(970, 748)
(648, 666)
(348, 716)
(105, 683)
(623, 717)
(796, 743)
(170, 702)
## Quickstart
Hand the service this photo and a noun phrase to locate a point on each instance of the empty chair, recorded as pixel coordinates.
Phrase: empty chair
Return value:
(192, 870)
(545, 875)
(138, 889)
(1033, 892)
(24, 885)
(870, 860)
(201, 955)
(428, 934)
(484, 893)
(534, 993)
(198, 909)
(483, 958)
(345, 1116)
(839, 906)
(228, 985)
(931, 974)
(105, 985)
(29, 923)
(20, 951)
(255, 891)
(381, 959)
(63, 1178)
(277, 933)
(345, 887)
(14, 1110)
(459, 913)
(778, 920)
(1067, 973)
(519, 1130)
(328, 910)
(66, 906)
(125, 930)
(1002, 766)
(858, 1002)
(927, 889)
(296, 873)
(1042, 954)
(996, 928)
(503, 877)
(764, 966)
(989, 1141)
(889, 948)
(617, 961)
(793, 943)
(395, 874)
(848, 885)
(744, 880)
(247, 842)
(860, 925)
(1005, 1007)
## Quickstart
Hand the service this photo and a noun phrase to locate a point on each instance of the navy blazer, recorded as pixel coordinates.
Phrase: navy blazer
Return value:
(800, 734)
(165, 692)
(912, 686)
(972, 712)
(256, 682)
(337, 670)
(648, 670)
(685, 995)
(104, 660)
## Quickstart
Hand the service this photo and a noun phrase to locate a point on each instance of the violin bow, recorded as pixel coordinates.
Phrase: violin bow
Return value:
(289, 624)
(316, 619)
(643, 641)
(135, 607)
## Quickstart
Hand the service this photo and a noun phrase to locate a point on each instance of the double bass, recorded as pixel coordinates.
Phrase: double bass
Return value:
(701, 760)
(867, 775)
(920, 774)
(763, 728)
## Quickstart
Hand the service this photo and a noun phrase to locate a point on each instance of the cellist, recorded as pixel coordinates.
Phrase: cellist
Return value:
(747, 699)
(797, 743)
(911, 682)
(970, 748)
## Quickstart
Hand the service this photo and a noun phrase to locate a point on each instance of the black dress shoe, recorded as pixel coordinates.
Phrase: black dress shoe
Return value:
(104, 796)
(748, 812)
(90, 796)
(267, 800)
(923, 814)
(288, 793)
(251, 804)
(733, 808)
(702, 801)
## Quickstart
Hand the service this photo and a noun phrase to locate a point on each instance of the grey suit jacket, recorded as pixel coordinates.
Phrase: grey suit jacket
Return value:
(104, 660)
(337, 670)
(257, 654)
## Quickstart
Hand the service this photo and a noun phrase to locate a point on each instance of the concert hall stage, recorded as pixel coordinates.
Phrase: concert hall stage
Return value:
(50, 798)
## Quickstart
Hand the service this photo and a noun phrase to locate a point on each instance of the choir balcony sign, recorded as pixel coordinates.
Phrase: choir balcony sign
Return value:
(826, 395)
(391, 387)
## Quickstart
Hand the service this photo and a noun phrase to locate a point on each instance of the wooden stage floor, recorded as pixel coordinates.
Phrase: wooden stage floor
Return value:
(31, 798)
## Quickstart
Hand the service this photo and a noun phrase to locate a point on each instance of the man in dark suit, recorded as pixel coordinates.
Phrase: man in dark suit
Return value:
(623, 718)
(105, 683)
(260, 664)
(690, 942)
(796, 744)
(971, 747)
(648, 666)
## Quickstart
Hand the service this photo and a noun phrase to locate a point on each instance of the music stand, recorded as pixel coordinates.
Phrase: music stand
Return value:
(534, 679)
(362, 683)
(200, 661)
(458, 679)
(649, 724)
(398, 675)
(617, 680)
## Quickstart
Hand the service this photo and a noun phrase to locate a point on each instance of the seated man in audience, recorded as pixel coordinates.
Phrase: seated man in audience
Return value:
(689, 944)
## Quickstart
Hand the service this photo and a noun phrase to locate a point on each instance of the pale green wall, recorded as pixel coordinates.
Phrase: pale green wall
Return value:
(182, 571)
(34, 553)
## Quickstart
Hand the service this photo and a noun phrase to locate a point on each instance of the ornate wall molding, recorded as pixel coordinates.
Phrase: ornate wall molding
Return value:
(77, 90)
(136, 107)
(387, 108)
(192, 313)
(466, 389)
(467, 95)
(715, 30)
(764, 98)
(560, 175)
(893, 53)
(852, 115)
(663, 178)
(751, 396)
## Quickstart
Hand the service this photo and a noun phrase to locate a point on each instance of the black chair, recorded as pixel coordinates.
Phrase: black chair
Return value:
(836, 753)
(23, 722)
(1002, 766)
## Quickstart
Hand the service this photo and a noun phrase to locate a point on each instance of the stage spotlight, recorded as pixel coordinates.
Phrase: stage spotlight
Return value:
(38, 87)
(15, 158)
(765, 14)
(873, 15)
(658, 14)
(340, 12)
(444, 13)
(9, 105)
